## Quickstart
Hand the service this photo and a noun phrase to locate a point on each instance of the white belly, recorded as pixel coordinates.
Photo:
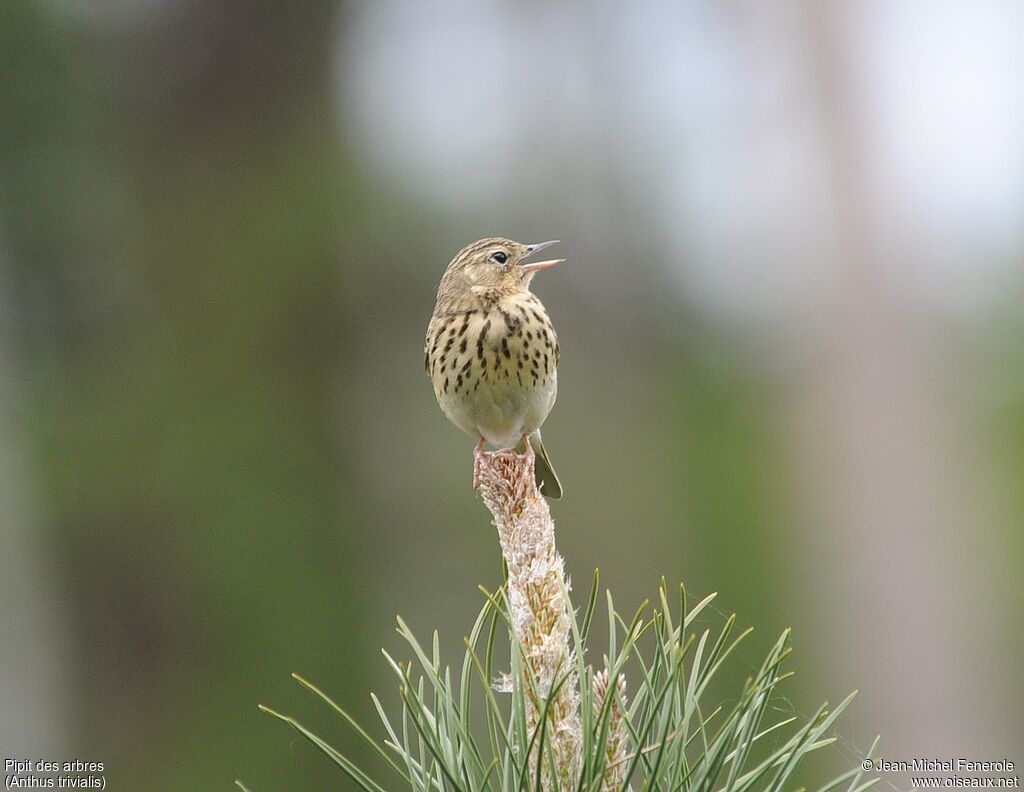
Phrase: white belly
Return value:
(501, 412)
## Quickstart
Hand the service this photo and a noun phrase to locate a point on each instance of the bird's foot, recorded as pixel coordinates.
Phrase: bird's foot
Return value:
(478, 457)
(486, 462)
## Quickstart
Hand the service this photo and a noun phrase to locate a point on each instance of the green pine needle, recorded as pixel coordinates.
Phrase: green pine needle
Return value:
(677, 740)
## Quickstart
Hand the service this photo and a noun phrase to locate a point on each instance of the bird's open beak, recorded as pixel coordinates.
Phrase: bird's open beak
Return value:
(539, 265)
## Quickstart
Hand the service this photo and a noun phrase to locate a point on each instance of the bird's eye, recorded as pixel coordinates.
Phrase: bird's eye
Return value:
(500, 257)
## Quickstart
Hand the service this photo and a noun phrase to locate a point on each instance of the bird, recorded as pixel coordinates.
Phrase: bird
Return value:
(491, 351)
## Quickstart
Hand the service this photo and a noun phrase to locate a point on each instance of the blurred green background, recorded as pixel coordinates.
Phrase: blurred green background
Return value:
(791, 323)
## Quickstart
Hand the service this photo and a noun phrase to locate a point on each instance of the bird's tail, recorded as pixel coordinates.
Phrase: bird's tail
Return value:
(547, 479)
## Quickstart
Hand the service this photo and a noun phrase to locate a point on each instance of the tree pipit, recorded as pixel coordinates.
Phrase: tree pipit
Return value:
(492, 354)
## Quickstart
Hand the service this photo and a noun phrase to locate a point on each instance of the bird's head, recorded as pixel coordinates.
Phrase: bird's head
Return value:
(494, 263)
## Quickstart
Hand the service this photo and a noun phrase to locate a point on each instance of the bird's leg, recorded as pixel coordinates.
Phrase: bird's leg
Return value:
(478, 454)
(528, 453)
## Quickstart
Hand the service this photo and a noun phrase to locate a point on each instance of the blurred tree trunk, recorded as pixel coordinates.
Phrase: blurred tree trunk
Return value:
(183, 224)
(32, 623)
(876, 438)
